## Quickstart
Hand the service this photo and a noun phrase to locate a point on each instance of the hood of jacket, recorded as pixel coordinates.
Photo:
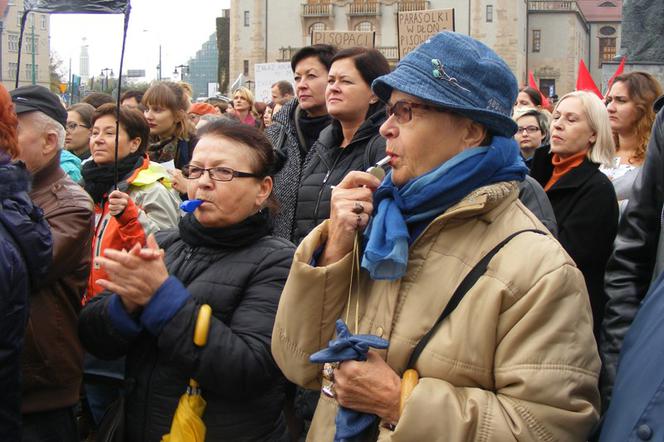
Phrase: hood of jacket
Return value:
(24, 221)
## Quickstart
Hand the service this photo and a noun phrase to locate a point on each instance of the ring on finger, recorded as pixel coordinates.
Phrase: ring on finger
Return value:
(328, 390)
(358, 208)
(328, 371)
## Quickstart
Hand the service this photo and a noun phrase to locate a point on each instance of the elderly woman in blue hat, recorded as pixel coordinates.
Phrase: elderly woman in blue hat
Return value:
(464, 282)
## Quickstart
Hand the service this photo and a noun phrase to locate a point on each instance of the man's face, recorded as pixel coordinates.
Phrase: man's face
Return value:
(32, 140)
(276, 95)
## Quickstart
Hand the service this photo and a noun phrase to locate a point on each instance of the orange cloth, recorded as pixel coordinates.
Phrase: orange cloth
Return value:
(563, 165)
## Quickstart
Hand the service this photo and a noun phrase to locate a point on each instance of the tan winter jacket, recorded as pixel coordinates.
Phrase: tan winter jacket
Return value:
(516, 361)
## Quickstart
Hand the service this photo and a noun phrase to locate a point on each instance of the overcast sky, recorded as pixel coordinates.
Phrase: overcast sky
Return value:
(181, 27)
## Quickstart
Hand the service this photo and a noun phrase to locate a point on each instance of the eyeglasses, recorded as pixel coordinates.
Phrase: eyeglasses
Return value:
(528, 129)
(73, 125)
(215, 173)
(403, 110)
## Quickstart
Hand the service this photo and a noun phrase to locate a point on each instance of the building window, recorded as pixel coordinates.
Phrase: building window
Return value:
(12, 42)
(246, 19)
(364, 26)
(27, 46)
(317, 27)
(28, 71)
(489, 13)
(607, 5)
(11, 2)
(537, 40)
(11, 74)
(607, 30)
(607, 49)
(246, 68)
(43, 21)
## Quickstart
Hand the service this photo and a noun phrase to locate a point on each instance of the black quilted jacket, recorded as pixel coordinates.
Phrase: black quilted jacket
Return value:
(243, 387)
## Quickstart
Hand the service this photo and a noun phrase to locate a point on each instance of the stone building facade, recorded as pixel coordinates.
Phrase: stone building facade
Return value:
(9, 36)
(548, 37)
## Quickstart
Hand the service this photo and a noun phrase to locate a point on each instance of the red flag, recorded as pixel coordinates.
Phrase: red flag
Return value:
(532, 84)
(585, 82)
(621, 68)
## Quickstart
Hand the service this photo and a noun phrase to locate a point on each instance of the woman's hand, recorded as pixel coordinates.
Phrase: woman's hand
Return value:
(178, 180)
(117, 202)
(370, 387)
(351, 206)
(135, 275)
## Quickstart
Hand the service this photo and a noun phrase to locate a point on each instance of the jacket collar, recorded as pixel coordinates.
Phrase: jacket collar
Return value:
(485, 203)
(576, 177)
(331, 136)
(49, 174)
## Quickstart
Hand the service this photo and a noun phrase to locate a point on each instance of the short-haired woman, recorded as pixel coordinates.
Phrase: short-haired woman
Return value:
(142, 204)
(516, 359)
(582, 197)
(223, 255)
(532, 131)
(630, 105)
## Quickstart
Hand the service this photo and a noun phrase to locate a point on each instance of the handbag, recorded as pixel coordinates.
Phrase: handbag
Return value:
(112, 425)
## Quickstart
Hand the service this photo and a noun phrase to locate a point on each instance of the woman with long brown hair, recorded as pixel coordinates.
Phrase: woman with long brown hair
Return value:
(630, 105)
(171, 133)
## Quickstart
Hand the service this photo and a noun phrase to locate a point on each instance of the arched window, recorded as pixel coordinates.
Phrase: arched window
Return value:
(364, 26)
(607, 30)
(318, 26)
(607, 5)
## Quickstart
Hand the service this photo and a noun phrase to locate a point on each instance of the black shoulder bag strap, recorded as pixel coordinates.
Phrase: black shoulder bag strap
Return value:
(467, 283)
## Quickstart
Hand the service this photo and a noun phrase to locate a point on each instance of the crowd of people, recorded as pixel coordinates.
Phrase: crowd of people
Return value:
(505, 249)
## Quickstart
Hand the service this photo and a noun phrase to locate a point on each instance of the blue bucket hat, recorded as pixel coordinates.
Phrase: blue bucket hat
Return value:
(459, 73)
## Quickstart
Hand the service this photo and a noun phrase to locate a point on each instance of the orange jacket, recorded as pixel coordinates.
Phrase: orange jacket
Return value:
(152, 206)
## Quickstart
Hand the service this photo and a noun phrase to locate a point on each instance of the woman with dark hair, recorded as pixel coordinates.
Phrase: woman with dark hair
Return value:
(143, 202)
(223, 255)
(630, 105)
(79, 124)
(350, 142)
(172, 137)
(528, 97)
(25, 258)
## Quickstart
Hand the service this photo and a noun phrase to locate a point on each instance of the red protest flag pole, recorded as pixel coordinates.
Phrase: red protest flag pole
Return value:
(532, 84)
(585, 82)
(621, 68)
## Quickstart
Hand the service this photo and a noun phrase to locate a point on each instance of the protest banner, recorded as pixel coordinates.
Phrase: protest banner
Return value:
(415, 27)
(344, 39)
(266, 74)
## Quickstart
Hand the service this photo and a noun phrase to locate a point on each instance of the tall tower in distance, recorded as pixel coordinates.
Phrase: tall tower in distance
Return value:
(84, 62)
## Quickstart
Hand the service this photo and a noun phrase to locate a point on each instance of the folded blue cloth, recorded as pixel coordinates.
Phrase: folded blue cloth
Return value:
(349, 347)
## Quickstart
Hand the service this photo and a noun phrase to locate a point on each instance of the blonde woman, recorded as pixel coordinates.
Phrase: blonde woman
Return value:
(243, 103)
(582, 197)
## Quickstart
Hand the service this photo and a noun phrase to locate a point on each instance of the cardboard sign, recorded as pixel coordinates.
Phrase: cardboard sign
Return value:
(415, 27)
(266, 74)
(344, 39)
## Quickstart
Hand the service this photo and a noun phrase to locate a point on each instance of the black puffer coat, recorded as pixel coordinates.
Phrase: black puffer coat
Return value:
(243, 387)
(327, 164)
(25, 257)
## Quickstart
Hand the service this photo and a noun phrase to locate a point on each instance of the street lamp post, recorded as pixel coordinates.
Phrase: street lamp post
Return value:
(183, 68)
(104, 74)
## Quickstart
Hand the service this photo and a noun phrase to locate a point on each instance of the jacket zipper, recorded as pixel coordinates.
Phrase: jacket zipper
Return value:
(322, 187)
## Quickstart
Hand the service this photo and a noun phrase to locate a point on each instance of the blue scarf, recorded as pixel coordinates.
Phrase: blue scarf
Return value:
(423, 198)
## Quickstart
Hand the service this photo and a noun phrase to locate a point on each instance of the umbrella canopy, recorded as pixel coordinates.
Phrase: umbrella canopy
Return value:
(187, 423)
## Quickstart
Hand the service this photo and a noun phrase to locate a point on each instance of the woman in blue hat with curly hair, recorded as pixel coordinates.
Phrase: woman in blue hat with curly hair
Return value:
(465, 283)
